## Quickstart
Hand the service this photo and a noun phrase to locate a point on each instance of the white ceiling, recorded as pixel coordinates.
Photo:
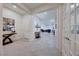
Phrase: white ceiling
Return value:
(32, 6)
(19, 10)
(23, 8)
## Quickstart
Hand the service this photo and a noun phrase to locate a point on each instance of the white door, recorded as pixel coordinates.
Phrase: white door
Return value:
(69, 30)
(66, 41)
(72, 33)
(77, 30)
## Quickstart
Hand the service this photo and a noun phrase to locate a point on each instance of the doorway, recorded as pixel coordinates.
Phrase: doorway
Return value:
(45, 27)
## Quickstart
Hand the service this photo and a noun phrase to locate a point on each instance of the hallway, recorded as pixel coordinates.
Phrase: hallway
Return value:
(22, 24)
(45, 46)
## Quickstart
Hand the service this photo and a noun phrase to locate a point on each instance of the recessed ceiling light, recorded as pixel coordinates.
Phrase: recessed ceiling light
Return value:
(14, 6)
(72, 6)
(77, 4)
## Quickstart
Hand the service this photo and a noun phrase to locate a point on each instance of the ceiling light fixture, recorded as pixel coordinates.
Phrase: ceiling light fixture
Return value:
(72, 6)
(77, 4)
(14, 6)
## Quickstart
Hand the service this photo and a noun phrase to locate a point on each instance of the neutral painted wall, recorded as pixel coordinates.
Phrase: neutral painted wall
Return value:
(18, 21)
(23, 24)
(1, 48)
(28, 30)
(59, 30)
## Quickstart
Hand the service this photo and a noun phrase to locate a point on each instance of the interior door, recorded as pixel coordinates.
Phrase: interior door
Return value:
(66, 41)
(69, 30)
(77, 30)
(72, 33)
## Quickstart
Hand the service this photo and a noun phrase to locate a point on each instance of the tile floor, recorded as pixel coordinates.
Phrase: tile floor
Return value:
(45, 46)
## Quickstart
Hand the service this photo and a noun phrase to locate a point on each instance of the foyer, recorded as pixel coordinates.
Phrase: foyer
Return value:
(38, 47)
(39, 29)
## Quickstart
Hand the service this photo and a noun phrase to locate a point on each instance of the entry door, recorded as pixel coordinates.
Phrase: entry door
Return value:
(69, 30)
(72, 31)
(66, 41)
(77, 30)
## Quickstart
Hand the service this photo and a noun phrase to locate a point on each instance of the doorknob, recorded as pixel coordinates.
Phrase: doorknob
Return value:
(67, 38)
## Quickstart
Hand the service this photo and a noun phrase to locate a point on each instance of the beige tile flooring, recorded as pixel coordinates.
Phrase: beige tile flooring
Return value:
(45, 46)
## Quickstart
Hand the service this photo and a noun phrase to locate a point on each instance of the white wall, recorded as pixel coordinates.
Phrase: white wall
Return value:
(18, 21)
(59, 30)
(1, 22)
(27, 30)
(23, 24)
